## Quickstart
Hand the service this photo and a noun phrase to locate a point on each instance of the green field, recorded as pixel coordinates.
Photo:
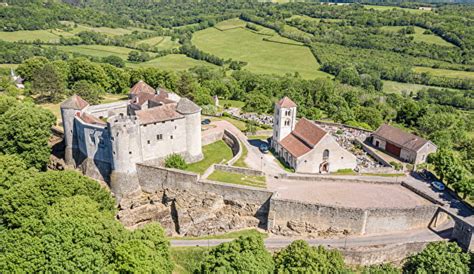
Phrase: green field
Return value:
(230, 24)
(160, 42)
(97, 50)
(216, 153)
(383, 8)
(45, 36)
(174, 62)
(105, 30)
(398, 87)
(308, 18)
(262, 56)
(420, 37)
(446, 73)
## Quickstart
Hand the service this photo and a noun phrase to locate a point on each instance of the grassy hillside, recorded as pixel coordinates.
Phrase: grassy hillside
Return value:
(398, 87)
(97, 50)
(175, 62)
(420, 37)
(446, 72)
(160, 42)
(262, 56)
(383, 8)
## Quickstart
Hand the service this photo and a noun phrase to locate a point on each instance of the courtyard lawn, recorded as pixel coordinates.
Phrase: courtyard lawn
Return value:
(174, 62)
(97, 50)
(446, 72)
(216, 153)
(238, 179)
(241, 161)
(262, 56)
(420, 37)
(228, 235)
(160, 42)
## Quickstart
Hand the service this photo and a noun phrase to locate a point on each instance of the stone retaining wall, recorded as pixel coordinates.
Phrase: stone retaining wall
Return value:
(369, 151)
(330, 178)
(233, 142)
(240, 170)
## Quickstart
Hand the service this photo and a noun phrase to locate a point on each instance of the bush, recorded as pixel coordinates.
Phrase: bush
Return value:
(175, 161)
(396, 165)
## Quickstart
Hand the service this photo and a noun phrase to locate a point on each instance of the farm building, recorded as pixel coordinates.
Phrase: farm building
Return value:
(406, 146)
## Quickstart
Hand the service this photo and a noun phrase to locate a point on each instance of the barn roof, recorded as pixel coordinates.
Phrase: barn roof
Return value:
(400, 137)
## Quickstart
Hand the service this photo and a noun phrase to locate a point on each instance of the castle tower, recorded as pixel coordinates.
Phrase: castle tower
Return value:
(69, 109)
(284, 119)
(192, 114)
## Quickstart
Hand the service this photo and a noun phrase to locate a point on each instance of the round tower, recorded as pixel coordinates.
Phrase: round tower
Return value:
(284, 119)
(69, 109)
(192, 114)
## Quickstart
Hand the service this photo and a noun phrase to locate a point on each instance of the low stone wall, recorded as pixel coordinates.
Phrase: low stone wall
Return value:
(211, 138)
(422, 194)
(339, 179)
(290, 217)
(233, 142)
(236, 192)
(154, 178)
(395, 253)
(369, 151)
(240, 170)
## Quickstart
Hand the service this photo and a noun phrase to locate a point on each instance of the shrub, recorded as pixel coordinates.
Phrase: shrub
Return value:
(175, 161)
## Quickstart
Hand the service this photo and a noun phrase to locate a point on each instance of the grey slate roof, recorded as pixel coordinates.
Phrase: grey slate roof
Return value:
(74, 102)
(186, 106)
(399, 137)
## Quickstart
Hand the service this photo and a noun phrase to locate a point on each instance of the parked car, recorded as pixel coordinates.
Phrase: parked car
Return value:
(263, 148)
(438, 185)
(205, 122)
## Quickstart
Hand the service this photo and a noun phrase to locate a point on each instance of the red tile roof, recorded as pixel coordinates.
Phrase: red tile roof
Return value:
(142, 87)
(75, 102)
(286, 102)
(303, 138)
(141, 97)
(91, 119)
(399, 137)
(158, 114)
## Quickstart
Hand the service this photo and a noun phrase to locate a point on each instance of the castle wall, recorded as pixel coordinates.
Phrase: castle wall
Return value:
(193, 136)
(163, 138)
(109, 109)
(70, 140)
(126, 143)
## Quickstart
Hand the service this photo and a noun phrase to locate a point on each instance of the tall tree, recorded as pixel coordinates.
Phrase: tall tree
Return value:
(49, 83)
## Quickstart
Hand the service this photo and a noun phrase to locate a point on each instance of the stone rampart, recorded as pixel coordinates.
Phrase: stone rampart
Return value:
(289, 217)
(154, 178)
(240, 170)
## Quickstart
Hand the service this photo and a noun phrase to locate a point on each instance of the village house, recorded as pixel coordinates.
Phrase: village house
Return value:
(406, 146)
(304, 146)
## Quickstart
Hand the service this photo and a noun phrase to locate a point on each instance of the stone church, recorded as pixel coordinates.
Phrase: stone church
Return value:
(304, 146)
(110, 139)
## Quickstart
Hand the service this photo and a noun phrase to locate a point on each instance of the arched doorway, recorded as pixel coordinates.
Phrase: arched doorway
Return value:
(324, 167)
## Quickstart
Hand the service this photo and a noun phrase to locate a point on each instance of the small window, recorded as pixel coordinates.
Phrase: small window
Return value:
(144, 125)
(159, 137)
(171, 137)
(325, 154)
(130, 152)
(148, 142)
(175, 127)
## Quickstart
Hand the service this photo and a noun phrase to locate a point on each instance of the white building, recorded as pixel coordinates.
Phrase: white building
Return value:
(304, 146)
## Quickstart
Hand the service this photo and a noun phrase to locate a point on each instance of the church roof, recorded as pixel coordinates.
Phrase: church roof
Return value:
(74, 102)
(186, 106)
(286, 102)
(303, 138)
(399, 137)
(142, 87)
(158, 114)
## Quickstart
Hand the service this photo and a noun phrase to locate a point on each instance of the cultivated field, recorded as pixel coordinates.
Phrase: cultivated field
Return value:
(262, 56)
(446, 73)
(420, 37)
(175, 62)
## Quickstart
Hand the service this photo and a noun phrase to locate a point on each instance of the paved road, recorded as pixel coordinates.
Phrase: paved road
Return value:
(422, 235)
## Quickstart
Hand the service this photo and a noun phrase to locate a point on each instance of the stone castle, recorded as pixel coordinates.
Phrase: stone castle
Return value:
(107, 141)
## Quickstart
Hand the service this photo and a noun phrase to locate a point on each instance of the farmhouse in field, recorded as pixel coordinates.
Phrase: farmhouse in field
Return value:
(151, 125)
(304, 146)
(406, 146)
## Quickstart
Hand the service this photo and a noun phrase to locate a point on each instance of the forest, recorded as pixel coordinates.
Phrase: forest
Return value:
(356, 50)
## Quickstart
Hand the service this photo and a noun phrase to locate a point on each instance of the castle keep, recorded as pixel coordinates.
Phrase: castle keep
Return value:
(108, 140)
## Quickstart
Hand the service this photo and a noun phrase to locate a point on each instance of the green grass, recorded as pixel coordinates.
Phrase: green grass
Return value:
(228, 235)
(230, 24)
(160, 42)
(420, 37)
(237, 179)
(241, 161)
(215, 153)
(384, 8)
(446, 72)
(262, 56)
(308, 18)
(346, 171)
(187, 259)
(398, 87)
(174, 62)
(46, 36)
(97, 50)
(231, 103)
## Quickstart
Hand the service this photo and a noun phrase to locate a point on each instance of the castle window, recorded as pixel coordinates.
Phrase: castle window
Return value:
(112, 138)
(130, 152)
(148, 142)
(113, 152)
(171, 137)
(325, 154)
(144, 125)
(159, 137)
(175, 127)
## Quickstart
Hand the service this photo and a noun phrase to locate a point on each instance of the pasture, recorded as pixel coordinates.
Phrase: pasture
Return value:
(419, 36)
(45, 36)
(159, 42)
(262, 56)
(174, 62)
(399, 87)
(230, 24)
(446, 73)
(97, 50)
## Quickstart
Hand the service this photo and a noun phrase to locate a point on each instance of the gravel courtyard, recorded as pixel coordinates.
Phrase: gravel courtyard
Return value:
(360, 195)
